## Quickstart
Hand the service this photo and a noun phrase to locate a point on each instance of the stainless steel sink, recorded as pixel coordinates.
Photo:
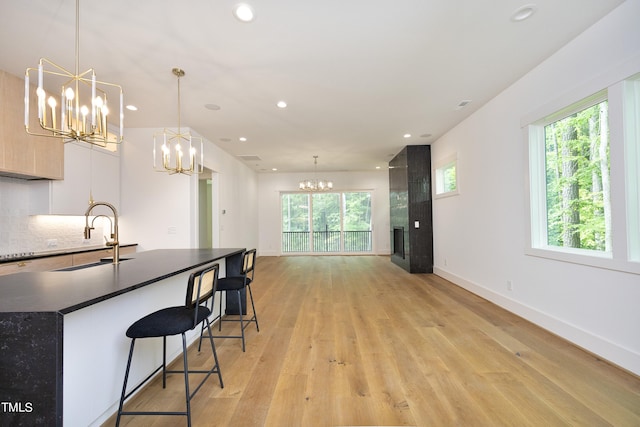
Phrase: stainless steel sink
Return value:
(103, 261)
(109, 259)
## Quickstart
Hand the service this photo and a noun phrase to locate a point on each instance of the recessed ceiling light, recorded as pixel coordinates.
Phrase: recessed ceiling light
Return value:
(282, 104)
(243, 12)
(524, 12)
(274, 169)
(131, 108)
(407, 135)
(212, 107)
(377, 167)
(243, 139)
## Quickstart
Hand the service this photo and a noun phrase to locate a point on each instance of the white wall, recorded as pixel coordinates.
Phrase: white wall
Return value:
(272, 184)
(159, 210)
(479, 235)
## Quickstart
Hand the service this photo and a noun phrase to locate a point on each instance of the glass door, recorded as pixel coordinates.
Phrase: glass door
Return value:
(357, 225)
(326, 222)
(331, 223)
(295, 223)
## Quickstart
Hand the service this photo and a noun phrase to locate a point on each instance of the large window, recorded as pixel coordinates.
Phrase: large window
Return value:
(578, 202)
(326, 222)
(584, 173)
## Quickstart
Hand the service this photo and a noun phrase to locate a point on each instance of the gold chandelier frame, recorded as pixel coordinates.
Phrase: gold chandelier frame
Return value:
(163, 160)
(82, 111)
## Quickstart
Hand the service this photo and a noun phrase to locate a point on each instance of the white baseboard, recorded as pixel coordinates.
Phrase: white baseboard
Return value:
(625, 358)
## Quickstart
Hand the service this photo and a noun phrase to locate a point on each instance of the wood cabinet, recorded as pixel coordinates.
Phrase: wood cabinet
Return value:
(60, 261)
(38, 264)
(23, 155)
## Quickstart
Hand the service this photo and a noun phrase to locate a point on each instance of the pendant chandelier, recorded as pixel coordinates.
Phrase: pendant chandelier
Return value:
(315, 184)
(81, 111)
(170, 156)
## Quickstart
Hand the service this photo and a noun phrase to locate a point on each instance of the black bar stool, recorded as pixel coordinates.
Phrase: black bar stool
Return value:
(238, 284)
(201, 287)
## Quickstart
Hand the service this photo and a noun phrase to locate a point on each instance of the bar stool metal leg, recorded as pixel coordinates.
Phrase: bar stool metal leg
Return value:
(124, 386)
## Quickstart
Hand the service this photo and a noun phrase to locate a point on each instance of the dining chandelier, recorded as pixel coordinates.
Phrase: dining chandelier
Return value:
(316, 184)
(170, 157)
(79, 110)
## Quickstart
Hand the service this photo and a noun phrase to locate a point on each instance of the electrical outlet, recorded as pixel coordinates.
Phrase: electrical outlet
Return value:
(52, 243)
(445, 262)
(509, 285)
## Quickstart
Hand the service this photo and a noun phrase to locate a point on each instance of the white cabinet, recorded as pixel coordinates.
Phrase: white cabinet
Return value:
(88, 171)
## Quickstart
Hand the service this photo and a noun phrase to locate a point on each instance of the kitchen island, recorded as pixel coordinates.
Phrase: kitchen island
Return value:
(62, 333)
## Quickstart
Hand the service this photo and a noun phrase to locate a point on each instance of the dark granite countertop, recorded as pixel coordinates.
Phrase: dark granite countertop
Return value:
(35, 255)
(68, 291)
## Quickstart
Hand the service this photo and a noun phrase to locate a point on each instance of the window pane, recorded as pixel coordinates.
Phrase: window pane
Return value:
(326, 222)
(577, 180)
(357, 222)
(446, 178)
(295, 223)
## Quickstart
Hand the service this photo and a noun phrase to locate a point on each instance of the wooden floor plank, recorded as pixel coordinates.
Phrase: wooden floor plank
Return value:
(358, 341)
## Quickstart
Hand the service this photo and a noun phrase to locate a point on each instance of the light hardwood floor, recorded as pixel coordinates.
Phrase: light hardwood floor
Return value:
(358, 341)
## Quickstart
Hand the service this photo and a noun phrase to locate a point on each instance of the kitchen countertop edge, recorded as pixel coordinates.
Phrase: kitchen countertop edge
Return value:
(68, 291)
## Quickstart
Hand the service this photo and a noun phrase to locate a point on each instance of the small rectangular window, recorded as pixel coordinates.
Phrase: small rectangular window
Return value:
(447, 177)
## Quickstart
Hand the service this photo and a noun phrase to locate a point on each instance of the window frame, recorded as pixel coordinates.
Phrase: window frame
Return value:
(631, 123)
(624, 131)
(440, 170)
(342, 206)
(537, 156)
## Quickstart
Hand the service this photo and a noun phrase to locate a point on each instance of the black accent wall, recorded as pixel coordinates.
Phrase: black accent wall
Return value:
(410, 201)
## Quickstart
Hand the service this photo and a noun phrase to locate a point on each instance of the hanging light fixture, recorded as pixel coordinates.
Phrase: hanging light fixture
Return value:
(172, 142)
(81, 111)
(316, 184)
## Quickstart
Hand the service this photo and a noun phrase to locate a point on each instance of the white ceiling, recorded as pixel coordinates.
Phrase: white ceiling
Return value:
(357, 75)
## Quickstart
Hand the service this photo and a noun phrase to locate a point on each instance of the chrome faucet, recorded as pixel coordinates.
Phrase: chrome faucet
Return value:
(114, 231)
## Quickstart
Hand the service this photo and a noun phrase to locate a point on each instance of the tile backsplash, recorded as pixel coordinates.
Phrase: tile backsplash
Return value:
(21, 233)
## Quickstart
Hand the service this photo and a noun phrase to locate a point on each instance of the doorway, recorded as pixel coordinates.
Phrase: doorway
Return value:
(208, 220)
